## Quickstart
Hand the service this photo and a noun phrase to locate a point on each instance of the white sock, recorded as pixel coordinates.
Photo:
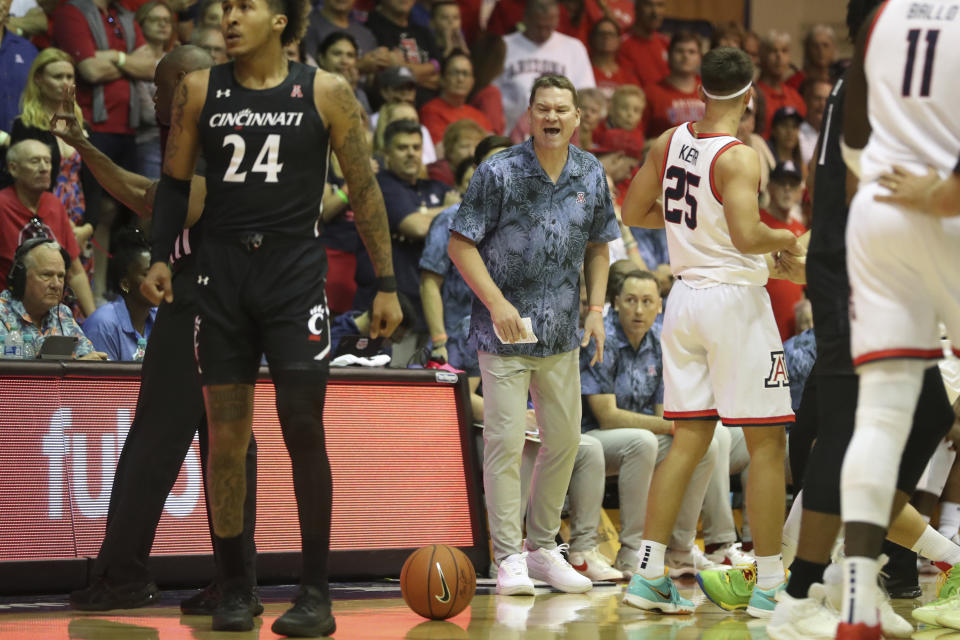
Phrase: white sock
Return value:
(770, 571)
(949, 519)
(650, 565)
(860, 590)
(935, 546)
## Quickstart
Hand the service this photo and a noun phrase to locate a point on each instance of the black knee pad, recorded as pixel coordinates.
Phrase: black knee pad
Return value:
(932, 420)
(300, 410)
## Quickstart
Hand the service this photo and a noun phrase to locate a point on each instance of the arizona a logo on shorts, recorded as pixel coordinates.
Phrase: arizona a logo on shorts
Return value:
(778, 371)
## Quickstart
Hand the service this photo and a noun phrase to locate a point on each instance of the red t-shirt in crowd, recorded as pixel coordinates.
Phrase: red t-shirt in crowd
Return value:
(489, 101)
(796, 80)
(438, 114)
(786, 97)
(667, 107)
(608, 82)
(505, 16)
(72, 34)
(646, 58)
(784, 295)
(15, 226)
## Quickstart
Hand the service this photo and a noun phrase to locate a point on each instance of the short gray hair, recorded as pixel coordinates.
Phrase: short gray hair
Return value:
(30, 261)
(16, 151)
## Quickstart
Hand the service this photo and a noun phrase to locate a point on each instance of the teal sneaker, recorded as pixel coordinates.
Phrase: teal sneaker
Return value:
(763, 601)
(656, 595)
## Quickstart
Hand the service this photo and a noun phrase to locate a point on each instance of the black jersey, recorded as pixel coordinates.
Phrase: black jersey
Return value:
(266, 151)
(829, 221)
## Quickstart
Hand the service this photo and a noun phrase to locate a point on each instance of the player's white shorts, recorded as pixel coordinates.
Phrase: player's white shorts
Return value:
(722, 357)
(904, 276)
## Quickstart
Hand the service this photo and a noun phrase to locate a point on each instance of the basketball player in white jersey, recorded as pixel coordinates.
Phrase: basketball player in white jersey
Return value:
(904, 265)
(722, 355)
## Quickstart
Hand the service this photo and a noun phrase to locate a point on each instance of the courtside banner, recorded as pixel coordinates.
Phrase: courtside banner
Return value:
(400, 474)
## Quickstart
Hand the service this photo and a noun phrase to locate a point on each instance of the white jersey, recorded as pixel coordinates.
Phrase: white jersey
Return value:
(912, 63)
(701, 251)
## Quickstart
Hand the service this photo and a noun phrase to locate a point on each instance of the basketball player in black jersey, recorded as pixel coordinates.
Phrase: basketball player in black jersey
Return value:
(265, 127)
(161, 431)
(833, 382)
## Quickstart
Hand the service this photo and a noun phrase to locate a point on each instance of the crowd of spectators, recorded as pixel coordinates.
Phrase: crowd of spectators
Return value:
(444, 85)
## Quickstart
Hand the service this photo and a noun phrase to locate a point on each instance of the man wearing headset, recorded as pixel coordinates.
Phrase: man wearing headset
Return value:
(31, 303)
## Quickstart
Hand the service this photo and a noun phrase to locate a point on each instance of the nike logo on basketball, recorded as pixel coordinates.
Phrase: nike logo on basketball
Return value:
(445, 596)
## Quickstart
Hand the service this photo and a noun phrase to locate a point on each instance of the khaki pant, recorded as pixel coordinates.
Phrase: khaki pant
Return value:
(554, 384)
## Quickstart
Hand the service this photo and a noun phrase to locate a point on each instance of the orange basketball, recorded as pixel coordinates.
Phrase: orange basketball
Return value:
(438, 581)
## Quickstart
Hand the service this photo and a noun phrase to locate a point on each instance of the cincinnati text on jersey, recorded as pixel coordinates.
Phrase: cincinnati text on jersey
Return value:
(247, 118)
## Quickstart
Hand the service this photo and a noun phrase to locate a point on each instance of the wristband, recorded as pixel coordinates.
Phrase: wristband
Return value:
(594, 307)
(340, 194)
(121, 58)
(387, 284)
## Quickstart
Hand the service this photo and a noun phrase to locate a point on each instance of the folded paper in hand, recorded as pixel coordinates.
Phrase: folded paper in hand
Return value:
(528, 330)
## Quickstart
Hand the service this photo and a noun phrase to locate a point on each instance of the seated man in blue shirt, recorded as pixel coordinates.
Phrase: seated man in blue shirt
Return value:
(623, 409)
(117, 328)
(412, 203)
(31, 304)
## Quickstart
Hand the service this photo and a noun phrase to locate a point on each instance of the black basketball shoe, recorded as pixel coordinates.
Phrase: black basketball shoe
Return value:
(205, 602)
(310, 615)
(234, 612)
(104, 596)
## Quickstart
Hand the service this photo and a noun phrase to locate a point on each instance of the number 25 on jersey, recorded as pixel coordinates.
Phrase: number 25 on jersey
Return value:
(266, 162)
(680, 201)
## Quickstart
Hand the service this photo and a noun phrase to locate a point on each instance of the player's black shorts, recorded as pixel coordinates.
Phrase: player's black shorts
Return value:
(828, 289)
(261, 295)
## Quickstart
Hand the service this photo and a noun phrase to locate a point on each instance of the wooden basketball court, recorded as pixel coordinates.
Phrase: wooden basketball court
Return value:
(376, 611)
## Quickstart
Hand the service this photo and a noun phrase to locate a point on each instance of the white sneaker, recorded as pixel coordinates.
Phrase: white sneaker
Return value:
(732, 554)
(627, 561)
(550, 566)
(810, 617)
(893, 624)
(688, 562)
(594, 565)
(512, 576)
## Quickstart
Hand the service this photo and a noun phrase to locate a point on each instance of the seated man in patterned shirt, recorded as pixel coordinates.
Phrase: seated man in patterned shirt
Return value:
(623, 409)
(31, 303)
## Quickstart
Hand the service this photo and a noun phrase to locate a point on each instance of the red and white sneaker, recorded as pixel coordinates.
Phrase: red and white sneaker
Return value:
(594, 565)
(732, 554)
(858, 631)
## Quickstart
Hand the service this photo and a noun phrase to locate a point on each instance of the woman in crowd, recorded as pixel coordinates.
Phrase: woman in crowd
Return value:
(785, 139)
(51, 74)
(391, 113)
(604, 48)
(456, 83)
(118, 327)
(488, 57)
(338, 53)
(156, 22)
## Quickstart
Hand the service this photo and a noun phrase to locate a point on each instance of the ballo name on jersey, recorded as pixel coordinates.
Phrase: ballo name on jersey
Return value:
(932, 11)
(247, 118)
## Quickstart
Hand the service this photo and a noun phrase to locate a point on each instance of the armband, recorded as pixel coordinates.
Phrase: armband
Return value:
(169, 216)
(340, 194)
(387, 284)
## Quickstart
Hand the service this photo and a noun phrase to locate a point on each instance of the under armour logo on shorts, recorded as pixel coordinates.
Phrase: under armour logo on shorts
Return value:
(203, 280)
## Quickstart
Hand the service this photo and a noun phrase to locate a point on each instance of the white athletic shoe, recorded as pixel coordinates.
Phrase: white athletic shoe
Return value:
(550, 566)
(801, 618)
(627, 561)
(594, 565)
(894, 625)
(512, 576)
(732, 554)
(688, 562)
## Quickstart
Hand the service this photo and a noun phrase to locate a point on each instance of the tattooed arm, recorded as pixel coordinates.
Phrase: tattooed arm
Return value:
(173, 193)
(348, 135)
